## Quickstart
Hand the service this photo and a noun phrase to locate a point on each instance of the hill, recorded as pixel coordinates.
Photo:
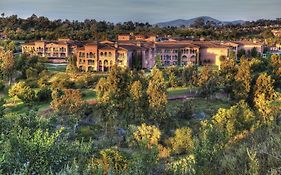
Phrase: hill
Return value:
(190, 22)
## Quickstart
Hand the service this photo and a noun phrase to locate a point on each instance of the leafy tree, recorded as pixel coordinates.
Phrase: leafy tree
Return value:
(72, 65)
(275, 67)
(227, 72)
(182, 142)
(207, 81)
(23, 92)
(243, 80)
(148, 135)
(264, 93)
(7, 64)
(235, 120)
(183, 165)
(172, 82)
(264, 85)
(40, 151)
(157, 95)
(102, 89)
(139, 101)
(110, 161)
(113, 96)
(70, 102)
(188, 73)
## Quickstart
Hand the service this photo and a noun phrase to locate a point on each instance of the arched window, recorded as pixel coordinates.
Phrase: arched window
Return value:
(105, 63)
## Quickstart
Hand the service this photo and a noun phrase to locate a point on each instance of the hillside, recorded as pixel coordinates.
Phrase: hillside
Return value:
(190, 22)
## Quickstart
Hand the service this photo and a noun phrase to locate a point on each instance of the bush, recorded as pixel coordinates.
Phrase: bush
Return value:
(184, 165)
(182, 141)
(44, 94)
(147, 135)
(23, 92)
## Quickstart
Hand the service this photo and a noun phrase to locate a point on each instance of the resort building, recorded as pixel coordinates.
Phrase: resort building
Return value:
(177, 53)
(247, 46)
(101, 56)
(276, 50)
(56, 51)
(211, 53)
(139, 52)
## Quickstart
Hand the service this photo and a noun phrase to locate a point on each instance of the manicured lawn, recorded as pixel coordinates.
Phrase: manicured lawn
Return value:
(179, 91)
(55, 67)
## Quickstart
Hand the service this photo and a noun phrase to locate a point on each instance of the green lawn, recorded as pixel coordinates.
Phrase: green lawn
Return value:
(179, 91)
(55, 67)
(89, 94)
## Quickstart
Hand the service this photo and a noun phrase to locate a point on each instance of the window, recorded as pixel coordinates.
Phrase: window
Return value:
(91, 55)
(81, 54)
(91, 62)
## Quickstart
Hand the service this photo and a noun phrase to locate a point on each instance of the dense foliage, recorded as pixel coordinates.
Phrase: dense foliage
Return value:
(37, 27)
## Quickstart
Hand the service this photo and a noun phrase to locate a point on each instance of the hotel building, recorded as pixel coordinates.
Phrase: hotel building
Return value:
(56, 51)
(138, 52)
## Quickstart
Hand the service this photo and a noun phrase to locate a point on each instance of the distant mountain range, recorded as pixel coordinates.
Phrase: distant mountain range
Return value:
(190, 22)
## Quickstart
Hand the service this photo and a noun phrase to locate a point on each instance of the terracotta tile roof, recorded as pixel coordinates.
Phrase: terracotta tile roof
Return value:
(129, 47)
(175, 44)
(247, 43)
(106, 47)
(29, 44)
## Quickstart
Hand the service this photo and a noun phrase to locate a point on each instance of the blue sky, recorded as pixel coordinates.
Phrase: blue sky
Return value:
(152, 11)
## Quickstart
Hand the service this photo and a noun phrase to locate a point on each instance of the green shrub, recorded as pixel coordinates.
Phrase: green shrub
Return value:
(44, 94)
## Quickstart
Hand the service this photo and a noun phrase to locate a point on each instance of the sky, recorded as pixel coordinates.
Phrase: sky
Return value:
(152, 11)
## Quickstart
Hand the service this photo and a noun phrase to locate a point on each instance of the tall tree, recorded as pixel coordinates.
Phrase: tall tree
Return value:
(157, 95)
(138, 100)
(207, 81)
(243, 79)
(264, 93)
(72, 65)
(7, 64)
(227, 72)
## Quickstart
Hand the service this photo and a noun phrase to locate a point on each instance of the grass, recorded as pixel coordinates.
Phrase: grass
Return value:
(89, 94)
(209, 106)
(55, 67)
(179, 91)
